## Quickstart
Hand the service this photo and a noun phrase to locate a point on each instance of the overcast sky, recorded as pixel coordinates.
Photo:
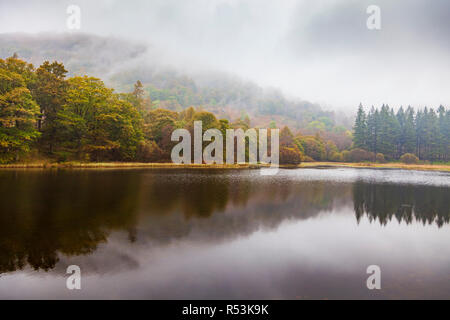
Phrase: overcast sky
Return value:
(320, 51)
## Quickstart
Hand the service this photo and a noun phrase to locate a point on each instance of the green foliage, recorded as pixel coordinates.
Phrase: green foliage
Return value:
(225, 96)
(97, 124)
(156, 120)
(272, 124)
(360, 129)
(18, 110)
(80, 118)
(330, 150)
(425, 133)
(290, 152)
(209, 120)
(50, 93)
(313, 147)
(336, 157)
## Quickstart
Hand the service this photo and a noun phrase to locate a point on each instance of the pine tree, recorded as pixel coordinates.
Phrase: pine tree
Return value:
(387, 132)
(447, 135)
(441, 134)
(409, 132)
(433, 135)
(401, 118)
(360, 129)
(372, 130)
(425, 133)
(395, 133)
(419, 133)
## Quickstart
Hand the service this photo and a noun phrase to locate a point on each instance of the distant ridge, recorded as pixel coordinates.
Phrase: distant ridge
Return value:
(121, 63)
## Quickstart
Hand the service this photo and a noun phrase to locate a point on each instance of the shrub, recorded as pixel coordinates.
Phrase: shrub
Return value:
(346, 155)
(380, 158)
(148, 151)
(62, 156)
(313, 147)
(290, 156)
(358, 155)
(336, 157)
(409, 158)
(308, 159)
(330, 149)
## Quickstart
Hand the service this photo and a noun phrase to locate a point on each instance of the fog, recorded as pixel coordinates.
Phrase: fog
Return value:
(321, 51)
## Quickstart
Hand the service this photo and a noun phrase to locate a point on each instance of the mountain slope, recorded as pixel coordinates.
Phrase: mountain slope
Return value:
(121, 63)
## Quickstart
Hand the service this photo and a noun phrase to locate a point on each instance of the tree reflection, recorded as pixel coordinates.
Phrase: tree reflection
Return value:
(42, 214)
(382, 202)
(46, 214)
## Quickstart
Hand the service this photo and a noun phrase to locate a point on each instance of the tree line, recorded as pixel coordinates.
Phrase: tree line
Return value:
(424, 133)
(45, 114)
(408, 203)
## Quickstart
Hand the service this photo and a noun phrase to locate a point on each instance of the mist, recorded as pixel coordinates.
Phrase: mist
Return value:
(319, 51)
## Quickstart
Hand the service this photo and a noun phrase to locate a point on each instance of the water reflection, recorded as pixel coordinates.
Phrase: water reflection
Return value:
(382, 202)
(44, 214)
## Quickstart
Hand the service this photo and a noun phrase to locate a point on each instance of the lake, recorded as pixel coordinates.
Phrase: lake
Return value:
(224, 234)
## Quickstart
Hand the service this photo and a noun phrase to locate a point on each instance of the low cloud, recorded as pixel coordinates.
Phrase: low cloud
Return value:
(320, 51)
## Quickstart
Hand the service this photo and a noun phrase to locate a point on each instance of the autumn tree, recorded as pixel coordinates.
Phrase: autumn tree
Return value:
(50, 92)
(289, 151)
(18, 110)
(95, 122)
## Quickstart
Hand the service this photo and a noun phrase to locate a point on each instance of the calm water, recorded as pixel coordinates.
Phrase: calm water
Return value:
(303, 234)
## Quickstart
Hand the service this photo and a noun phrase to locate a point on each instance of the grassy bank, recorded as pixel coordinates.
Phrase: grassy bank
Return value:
(424, 167)
(114, 165)
(117, 165)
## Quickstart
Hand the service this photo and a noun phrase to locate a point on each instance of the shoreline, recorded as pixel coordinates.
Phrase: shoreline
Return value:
(131, 165)
(373, 165)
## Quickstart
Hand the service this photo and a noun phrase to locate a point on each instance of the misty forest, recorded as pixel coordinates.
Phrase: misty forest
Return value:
(45, 114)
(58, 113)
(134, 162)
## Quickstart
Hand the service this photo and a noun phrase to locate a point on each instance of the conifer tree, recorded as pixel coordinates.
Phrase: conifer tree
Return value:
(372, 130)
(360, 129)
(409, 132)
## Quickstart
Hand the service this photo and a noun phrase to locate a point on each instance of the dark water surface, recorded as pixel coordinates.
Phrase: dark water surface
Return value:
(201, 234)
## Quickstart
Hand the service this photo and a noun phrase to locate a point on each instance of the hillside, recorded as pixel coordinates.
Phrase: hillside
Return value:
(121, 63)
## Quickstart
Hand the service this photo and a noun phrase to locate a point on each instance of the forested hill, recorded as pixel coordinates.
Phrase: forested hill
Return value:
(81, 54)
(121, 63)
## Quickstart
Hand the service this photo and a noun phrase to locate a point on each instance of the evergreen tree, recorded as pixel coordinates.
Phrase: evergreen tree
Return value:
(360, 129)
(387, 132)
(372, 130)
(395, 134)
(425, 133)
(442, 142)
(432, 136)
(401, 119)
(419, 133)
(409, 132)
